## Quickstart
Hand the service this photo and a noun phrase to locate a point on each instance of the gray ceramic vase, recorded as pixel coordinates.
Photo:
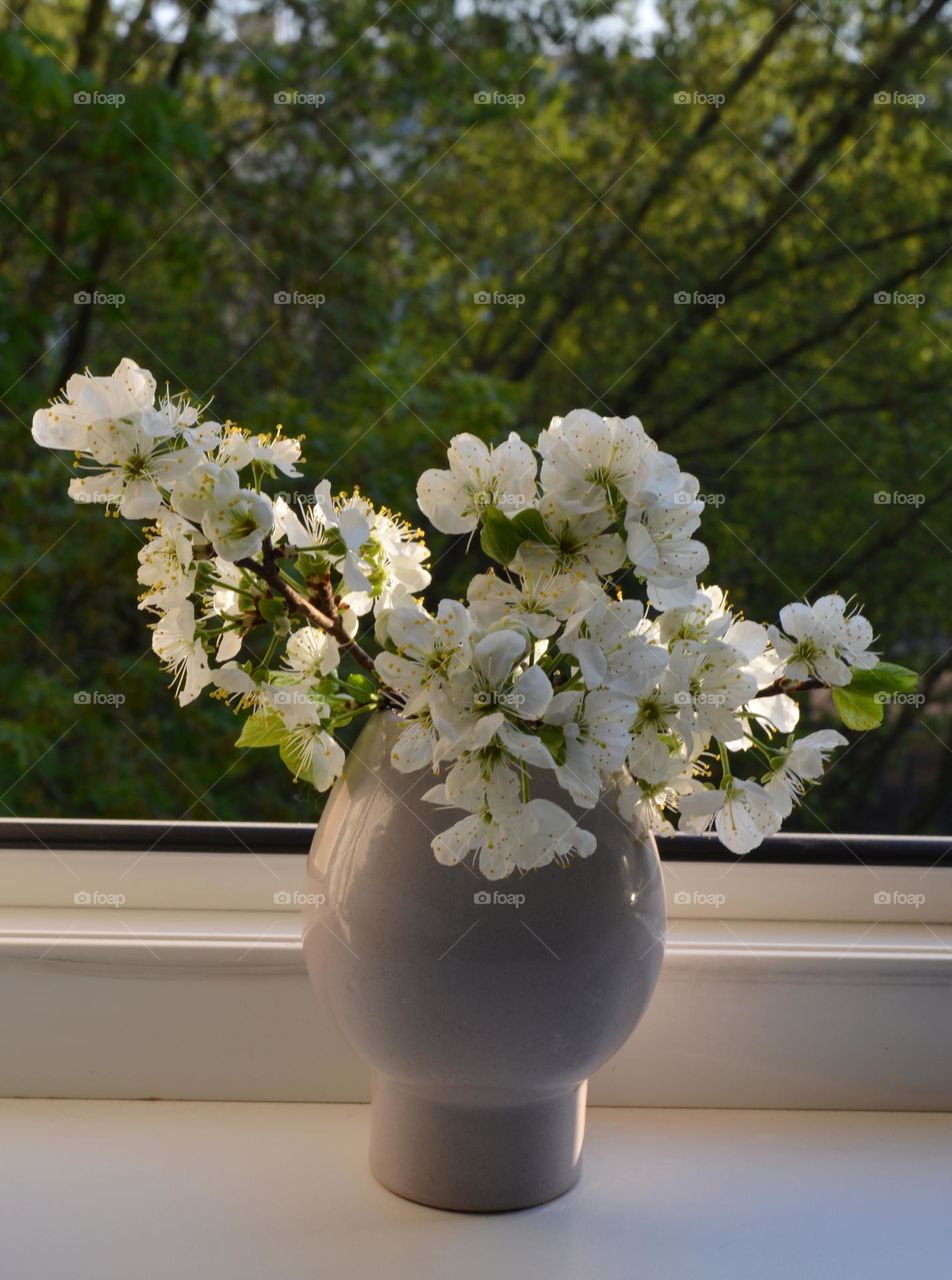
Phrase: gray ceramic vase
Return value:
(482, 1008)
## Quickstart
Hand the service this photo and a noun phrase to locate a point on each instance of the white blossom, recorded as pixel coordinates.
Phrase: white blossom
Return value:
(581, 544)
(429, 649)
(237, 520)
(535, 835)
(176, 642)
(311, 653)
(597, 731)
(482, 705)
(613, 645)
(135, 468)
(478, 477)
(93, 406)
(380, 562)
(540, 603)
(595, 464)
(660, 545)
(742, 814)
(709, 683)
(823, 640)
(166, 568)
(803, 763)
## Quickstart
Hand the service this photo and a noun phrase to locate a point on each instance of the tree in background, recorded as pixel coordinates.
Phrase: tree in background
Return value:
(383, 225)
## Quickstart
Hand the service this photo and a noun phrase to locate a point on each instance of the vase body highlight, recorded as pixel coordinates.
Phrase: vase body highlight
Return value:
(482, 1007)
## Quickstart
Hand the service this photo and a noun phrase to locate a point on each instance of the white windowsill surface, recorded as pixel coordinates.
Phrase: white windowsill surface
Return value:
(109, 1190)
(216, 1005)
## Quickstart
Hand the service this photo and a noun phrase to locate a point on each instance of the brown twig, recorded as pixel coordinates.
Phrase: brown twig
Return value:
(269, 571)
(789, 686)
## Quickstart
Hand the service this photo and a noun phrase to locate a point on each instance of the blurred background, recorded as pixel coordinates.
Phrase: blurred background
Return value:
(381, 224)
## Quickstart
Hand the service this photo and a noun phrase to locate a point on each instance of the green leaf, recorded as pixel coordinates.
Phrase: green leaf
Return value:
(294, 755)
(885, 677)
(858, 710)
(362, 688)
(553, 737)
(860, 703)
(272, 608)
(501, 537)
(263, 729)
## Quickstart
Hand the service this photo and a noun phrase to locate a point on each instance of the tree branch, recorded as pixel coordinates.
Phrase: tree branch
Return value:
(886, 70)
(270, 573)
(788, 686)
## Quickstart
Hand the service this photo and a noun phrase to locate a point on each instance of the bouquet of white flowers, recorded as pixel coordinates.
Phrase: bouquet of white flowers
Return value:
(674, 703)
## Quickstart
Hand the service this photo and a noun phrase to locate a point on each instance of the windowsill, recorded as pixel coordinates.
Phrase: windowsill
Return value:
(201, 1004)
(105, 1190)
(802, 985)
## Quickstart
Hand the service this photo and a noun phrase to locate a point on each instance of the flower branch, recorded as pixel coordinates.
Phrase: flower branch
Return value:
(594, 655)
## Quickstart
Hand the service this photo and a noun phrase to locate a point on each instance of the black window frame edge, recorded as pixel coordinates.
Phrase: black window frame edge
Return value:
(83, 835)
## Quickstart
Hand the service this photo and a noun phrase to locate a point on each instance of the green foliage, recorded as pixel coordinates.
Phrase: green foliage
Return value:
(502, 536)
(713, 268)
(261, 730)
(861, 702)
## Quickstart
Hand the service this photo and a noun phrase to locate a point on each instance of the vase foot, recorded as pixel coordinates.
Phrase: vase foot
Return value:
(476, 1158)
